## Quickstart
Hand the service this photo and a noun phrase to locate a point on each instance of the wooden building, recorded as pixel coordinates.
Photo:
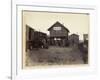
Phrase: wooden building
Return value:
(29, 33)
(85, 37)
(29, 36)
(58, 34)
(73, 39)
(35, 39)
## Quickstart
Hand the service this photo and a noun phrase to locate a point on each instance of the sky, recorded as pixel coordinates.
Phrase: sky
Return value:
(77, 23)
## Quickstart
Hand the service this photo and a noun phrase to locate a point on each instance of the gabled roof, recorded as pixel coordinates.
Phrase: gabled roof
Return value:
(29, 27)
(58, 23)
(74, 34)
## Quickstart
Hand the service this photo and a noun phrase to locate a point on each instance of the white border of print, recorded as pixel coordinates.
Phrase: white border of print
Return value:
(70, 73)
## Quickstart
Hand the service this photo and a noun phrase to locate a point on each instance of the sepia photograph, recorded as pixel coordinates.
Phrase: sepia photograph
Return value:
(54, 38)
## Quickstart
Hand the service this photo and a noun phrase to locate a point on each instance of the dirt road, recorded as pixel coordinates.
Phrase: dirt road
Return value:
(54, 55)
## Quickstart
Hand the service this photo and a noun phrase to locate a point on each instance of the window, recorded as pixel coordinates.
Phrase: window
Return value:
(56, 28)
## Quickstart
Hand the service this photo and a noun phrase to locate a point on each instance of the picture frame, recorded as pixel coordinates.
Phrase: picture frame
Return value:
(68, 72)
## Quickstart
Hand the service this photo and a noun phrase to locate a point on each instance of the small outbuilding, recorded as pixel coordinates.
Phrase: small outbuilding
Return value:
(73, 39)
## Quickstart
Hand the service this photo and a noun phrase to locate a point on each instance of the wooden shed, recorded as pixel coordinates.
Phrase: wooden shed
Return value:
(74, 39)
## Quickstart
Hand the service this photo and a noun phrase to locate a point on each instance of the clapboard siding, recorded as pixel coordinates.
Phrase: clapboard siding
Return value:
(58, 33)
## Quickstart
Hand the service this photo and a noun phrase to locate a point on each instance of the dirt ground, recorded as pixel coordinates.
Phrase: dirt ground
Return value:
(54, 56)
